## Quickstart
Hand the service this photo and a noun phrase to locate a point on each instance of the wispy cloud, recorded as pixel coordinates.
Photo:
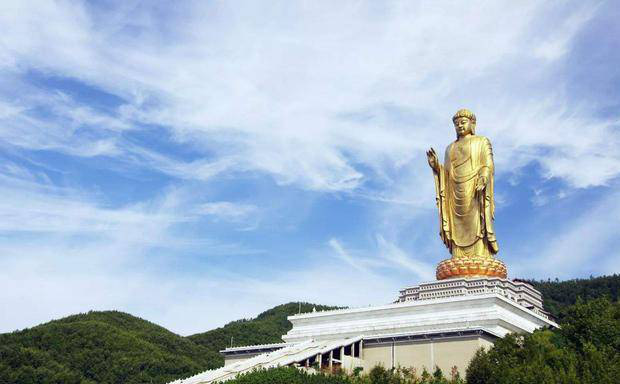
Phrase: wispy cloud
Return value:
(325, 101)
(582, 246)
(355, 262)
(30, 204)
(276, 101)
(63, 252)
(227, 209)
(398, 257)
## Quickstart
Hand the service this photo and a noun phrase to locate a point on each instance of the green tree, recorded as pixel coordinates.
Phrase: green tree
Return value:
(583, 350)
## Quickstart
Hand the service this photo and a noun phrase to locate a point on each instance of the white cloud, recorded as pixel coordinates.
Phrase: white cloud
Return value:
(86, 279)
(581, 247)
(30, 206)
(54, 276)
(557, 43)
(56, 122)
(397, 257)
(328, 97)
(387, 256)
(355, 262)
(568, 145)
(64, 253)
(303, 98)
(247, 214)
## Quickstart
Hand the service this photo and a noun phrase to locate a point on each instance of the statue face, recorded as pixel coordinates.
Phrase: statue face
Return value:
(463, 126)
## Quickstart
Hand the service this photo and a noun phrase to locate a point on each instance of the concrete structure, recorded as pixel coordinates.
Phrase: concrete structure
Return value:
(426, 351)
(518, 291)
(439, 324)
(491, 312)
(310, 355)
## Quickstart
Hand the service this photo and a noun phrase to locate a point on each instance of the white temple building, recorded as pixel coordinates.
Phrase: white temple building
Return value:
(436, 324)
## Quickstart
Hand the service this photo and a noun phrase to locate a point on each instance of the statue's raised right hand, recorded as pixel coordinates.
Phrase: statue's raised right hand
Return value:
(433, 160)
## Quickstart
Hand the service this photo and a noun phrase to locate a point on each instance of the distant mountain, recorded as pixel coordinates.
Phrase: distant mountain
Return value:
(558, 295)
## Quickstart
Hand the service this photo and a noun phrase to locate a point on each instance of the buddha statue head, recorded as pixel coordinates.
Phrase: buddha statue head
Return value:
(464, 122)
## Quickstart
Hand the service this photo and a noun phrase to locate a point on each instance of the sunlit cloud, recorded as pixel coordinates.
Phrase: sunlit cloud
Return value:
(165, 153)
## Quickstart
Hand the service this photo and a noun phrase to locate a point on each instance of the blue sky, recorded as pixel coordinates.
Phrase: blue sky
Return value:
(194, 163)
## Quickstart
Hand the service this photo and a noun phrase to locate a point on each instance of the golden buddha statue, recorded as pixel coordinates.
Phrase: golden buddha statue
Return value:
(464, 192)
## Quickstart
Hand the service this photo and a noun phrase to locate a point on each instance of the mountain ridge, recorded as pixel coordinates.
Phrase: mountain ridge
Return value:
(117, 347)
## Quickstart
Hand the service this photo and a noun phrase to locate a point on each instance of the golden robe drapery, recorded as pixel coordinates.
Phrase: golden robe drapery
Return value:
(466, 215)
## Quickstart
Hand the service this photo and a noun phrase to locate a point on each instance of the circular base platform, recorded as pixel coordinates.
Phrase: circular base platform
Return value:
(471, 267)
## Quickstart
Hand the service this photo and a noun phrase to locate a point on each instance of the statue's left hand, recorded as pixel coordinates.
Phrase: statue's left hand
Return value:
(481, 183)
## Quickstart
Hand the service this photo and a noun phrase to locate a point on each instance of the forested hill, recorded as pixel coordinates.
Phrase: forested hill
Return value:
(99, 347)
(558, 295)
(115, 347)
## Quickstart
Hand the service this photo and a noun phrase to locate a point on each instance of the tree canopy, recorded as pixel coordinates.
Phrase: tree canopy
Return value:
(115, 347)
(586, 349)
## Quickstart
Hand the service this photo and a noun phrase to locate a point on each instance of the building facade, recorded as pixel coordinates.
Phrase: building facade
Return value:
(439, 324)
(515, 290)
